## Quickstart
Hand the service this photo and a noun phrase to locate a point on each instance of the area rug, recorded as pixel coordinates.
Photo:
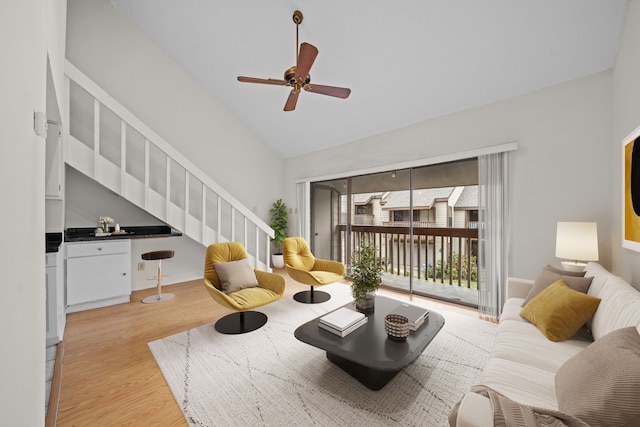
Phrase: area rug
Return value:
(269, 378)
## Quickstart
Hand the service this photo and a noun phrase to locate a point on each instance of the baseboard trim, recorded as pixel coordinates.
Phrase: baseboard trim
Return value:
(51, 419)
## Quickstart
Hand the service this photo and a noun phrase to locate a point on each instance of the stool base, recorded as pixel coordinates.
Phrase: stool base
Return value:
(312, 297)
(157, 298)
(241, 322)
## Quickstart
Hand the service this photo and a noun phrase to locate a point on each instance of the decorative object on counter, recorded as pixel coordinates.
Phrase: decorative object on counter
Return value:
(397, 327)
(366, 274)
(117, 230)
(105, 221)
(279, 221)
(158, 255)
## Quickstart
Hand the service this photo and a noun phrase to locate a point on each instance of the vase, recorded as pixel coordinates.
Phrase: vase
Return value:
(105, 228)
(277, 260)
(368, 303)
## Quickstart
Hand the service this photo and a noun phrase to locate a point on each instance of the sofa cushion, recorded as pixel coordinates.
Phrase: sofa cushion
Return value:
(522, 342)
(601, 384)
(521, 382)
(547, 277)
(511, 310)
(235, 275)
(559, 311)
(620, 307)
(600, 278)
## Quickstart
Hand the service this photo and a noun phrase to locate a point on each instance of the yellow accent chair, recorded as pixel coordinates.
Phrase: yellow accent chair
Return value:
(303, 267)
(232, 281)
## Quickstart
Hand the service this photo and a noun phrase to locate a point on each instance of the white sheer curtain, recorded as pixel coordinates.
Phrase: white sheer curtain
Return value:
(493, 234)
(303, 222)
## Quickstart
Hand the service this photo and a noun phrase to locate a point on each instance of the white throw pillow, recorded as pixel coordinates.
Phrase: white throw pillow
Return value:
(235, 275)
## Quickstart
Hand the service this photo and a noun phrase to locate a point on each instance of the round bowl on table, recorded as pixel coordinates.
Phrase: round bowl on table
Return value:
(397, 327)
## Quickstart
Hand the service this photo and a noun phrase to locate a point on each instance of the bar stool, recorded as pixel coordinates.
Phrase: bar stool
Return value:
(152, 256)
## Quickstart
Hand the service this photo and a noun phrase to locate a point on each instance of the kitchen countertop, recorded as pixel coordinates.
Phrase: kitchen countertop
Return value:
(53, 241)
(87, 234)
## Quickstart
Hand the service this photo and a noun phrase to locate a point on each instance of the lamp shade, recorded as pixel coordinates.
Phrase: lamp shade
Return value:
(577, 241)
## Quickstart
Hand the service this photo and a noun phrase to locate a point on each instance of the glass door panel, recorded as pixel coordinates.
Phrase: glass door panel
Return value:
(422, 221)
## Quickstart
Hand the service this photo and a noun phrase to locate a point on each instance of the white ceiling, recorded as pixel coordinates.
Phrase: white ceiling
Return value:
(405, 61)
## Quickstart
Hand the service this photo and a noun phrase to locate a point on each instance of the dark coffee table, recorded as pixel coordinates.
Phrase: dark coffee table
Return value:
(367, 354)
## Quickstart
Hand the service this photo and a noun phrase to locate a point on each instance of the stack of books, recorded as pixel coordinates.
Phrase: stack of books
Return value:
(416, 315)
(342, 321)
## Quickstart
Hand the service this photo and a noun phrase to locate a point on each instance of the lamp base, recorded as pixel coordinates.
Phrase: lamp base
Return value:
(573, 265)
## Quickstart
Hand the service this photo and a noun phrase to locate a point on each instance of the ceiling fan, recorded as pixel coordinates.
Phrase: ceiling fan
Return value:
(298, 76)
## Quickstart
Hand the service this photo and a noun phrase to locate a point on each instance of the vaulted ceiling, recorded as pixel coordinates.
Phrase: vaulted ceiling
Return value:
(405, 61)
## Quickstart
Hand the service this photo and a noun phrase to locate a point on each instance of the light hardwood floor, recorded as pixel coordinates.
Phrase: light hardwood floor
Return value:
(109, 376)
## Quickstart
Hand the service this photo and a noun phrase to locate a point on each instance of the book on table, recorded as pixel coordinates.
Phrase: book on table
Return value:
(343, 332)
(342, 318)
(416, 315)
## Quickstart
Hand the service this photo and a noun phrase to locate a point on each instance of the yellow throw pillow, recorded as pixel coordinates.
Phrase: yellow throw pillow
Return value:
(559, 311)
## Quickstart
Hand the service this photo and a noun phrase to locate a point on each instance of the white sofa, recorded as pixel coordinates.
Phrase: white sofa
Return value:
(523, 363)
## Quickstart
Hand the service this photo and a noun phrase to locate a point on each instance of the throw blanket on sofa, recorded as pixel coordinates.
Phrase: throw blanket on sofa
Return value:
(509, 413)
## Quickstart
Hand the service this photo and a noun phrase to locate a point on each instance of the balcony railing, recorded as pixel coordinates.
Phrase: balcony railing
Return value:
(423, 224)
(441, 255)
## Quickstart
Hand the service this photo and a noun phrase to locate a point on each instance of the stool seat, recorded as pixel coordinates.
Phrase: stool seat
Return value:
(154, 255)
(159, 256)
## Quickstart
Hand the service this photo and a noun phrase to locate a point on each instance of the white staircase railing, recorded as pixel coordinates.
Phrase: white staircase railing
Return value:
(109, 144)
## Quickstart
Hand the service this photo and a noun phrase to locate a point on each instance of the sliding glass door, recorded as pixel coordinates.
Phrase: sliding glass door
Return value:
(422, 221)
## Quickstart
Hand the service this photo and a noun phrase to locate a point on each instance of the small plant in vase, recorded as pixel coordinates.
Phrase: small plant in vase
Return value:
(104, 221)
(279, 220)
(366, 276)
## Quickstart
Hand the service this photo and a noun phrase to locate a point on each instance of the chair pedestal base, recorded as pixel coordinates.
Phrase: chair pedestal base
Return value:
(157, 298)
(241, 322)
(312, 297)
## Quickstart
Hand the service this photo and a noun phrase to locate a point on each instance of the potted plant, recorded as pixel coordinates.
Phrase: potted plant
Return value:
(279, 220)
(366, 276)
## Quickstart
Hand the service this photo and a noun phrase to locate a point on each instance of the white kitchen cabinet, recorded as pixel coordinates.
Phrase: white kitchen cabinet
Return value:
(98, 274)
(56, 317)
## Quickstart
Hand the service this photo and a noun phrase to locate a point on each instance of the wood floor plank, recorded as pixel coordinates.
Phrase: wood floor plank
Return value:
(110, 376)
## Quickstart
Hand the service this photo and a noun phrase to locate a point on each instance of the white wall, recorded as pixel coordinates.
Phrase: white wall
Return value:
(128, 65)
(56, 21)
(108, 48)
(563, 133)
(22, 306)
(626, 117)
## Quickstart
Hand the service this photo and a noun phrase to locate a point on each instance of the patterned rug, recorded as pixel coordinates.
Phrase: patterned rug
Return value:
(269, 378)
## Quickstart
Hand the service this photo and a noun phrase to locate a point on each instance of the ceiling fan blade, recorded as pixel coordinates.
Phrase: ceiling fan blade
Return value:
(292, 100)
(338, 92)
(262, 81)
(306, 57)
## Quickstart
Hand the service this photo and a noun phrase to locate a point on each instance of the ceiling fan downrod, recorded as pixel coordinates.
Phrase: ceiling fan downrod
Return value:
(297, 19)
